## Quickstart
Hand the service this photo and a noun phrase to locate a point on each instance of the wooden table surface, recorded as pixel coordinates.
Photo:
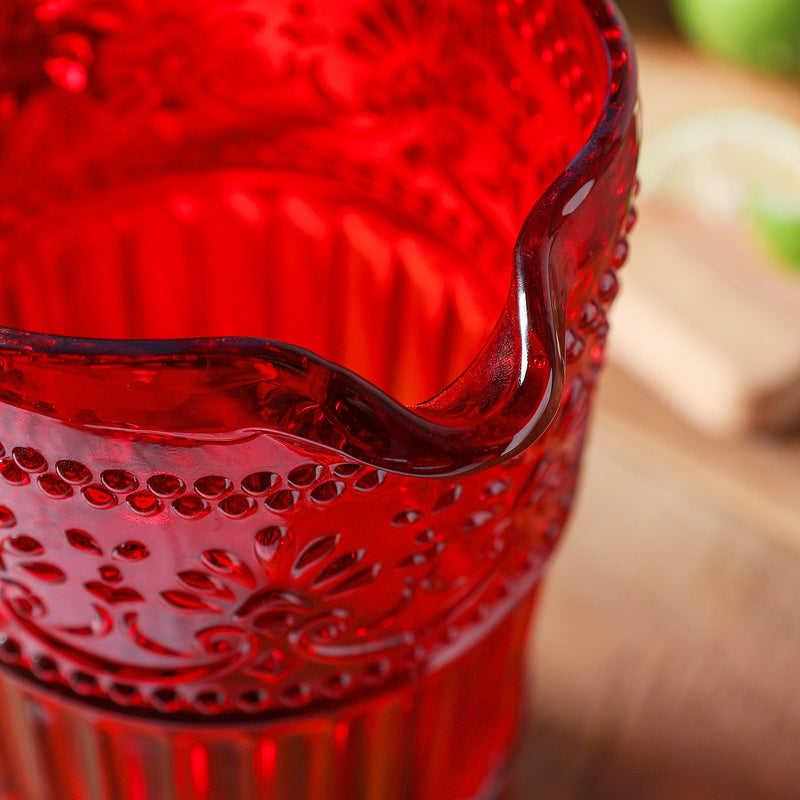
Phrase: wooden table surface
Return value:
(666, 658)
(665, 663)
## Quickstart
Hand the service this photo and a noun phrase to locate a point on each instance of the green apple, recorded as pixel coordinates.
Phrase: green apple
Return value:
(760, 33)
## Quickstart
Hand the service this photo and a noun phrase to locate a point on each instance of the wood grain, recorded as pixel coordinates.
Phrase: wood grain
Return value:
(710, 324)
(667, 651)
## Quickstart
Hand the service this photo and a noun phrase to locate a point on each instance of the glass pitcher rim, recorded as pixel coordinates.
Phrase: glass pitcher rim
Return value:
(429, 417)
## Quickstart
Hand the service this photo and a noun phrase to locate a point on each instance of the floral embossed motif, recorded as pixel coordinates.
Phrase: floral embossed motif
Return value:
(275, 625)
(112, 611)
(277, 609)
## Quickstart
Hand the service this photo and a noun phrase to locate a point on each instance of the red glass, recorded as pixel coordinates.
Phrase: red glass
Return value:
(304, 306)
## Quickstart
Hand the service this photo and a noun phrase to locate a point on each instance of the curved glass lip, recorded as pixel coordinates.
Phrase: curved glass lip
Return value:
(425, 417)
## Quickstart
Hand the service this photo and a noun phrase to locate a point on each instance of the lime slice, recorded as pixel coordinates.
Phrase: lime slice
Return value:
(777, 219)
(729, 164)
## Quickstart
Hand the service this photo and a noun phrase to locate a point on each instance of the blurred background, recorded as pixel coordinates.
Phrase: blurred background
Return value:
(667, 647)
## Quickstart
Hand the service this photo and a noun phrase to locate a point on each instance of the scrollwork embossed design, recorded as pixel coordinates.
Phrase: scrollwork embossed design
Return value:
(180, 588)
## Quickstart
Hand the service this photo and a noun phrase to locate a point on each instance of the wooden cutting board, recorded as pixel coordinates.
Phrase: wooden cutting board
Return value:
(707, 318)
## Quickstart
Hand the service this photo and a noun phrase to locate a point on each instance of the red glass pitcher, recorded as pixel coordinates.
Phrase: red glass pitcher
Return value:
(303, 304)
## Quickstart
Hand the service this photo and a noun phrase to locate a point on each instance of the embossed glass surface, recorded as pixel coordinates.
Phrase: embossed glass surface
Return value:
(303, 304)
